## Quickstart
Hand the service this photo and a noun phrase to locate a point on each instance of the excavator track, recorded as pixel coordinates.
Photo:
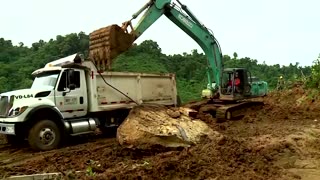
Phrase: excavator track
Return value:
(231, 111)
(223, 111)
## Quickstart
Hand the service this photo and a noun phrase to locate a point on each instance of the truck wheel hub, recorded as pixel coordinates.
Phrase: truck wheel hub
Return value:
(47, 136)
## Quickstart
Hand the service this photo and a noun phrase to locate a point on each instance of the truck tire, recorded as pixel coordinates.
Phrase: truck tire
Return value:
(44, 135)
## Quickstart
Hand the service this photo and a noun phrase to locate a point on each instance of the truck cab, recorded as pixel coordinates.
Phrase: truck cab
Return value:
(41, 113)
(67, 88)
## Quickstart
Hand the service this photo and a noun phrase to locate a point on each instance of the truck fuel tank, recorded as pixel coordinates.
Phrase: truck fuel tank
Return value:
(82, 126)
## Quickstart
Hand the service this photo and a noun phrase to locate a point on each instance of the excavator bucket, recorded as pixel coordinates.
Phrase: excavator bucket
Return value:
(107, 43)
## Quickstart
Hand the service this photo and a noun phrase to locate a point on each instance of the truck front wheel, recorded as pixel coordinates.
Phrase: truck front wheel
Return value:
(44, 135)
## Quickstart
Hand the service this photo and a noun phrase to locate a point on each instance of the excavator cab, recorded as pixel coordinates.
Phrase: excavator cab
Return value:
(235, 84)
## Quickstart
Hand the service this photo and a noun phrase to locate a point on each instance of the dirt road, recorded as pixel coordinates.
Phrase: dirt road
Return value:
(279, 142)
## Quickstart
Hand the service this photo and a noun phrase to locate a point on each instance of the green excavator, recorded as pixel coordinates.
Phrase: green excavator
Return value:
(228, 93)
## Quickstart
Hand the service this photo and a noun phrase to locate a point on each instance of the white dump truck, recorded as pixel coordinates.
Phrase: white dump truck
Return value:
(70, 96)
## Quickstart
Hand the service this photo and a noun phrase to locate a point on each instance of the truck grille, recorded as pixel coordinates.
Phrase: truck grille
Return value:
(5, 105)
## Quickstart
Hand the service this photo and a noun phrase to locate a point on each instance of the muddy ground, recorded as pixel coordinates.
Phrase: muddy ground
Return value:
(281, 141)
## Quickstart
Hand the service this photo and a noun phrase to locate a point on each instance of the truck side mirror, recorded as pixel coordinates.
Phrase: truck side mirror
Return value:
(72, 86)
(71, 79)
(71, 76)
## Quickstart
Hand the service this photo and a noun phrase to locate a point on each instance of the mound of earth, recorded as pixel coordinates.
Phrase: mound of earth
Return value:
(151, 125)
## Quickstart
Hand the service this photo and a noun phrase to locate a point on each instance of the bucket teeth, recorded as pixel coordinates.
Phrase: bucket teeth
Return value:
(107, 43)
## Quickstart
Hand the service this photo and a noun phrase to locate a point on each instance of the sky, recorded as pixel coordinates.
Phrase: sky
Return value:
(273, 31)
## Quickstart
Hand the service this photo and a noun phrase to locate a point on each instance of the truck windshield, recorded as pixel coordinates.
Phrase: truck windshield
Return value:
(45, 80)
(4, 102)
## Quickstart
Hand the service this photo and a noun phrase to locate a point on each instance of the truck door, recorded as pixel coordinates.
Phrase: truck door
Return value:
(71, 103)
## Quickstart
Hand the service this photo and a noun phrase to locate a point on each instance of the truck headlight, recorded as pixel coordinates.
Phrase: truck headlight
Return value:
(10, 130)
(17, 111)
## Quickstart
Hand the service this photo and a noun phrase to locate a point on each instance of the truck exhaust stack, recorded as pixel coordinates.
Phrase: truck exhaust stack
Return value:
(107, 43)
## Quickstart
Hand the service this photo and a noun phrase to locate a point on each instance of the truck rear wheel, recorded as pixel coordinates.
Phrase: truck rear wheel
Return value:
(44, 135)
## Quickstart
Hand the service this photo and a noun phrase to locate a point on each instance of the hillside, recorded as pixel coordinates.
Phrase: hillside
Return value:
(18, 62)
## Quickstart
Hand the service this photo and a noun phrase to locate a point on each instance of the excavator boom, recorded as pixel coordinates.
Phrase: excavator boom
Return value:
(186, 21)
(180, 16)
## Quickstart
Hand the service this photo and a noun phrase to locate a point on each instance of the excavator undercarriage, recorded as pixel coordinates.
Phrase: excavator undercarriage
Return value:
(225, 110)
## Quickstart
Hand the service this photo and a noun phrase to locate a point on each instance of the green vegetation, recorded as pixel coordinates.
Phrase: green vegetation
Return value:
(313, 81)
(18, 62)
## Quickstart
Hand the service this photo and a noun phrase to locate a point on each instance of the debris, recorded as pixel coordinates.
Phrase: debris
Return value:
(173, 113)
(188, 112)
(150, 125)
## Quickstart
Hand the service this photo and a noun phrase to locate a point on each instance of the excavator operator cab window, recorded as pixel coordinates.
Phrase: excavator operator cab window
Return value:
(238, 81)
(232, 82)
(227, 77)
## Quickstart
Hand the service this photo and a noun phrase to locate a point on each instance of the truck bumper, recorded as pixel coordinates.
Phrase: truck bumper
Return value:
(7, 128)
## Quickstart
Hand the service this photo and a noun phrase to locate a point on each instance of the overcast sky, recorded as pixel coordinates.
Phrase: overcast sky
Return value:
(274, 31)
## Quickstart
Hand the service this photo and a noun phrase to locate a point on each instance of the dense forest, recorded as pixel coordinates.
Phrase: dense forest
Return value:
(18, 62)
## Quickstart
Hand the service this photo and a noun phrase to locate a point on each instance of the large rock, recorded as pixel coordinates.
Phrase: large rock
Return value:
(150, 125)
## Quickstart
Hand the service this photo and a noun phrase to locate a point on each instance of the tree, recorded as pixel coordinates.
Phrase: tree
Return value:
(235, 55)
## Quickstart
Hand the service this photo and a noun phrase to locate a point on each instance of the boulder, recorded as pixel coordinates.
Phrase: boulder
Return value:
(149, 125)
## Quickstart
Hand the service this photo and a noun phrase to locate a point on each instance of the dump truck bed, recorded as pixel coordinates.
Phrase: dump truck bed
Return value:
(106, 90)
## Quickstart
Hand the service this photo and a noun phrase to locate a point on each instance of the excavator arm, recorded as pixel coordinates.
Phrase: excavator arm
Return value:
(186, 21)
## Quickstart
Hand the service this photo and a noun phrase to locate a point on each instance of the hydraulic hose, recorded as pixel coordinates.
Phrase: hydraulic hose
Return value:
(111, 85)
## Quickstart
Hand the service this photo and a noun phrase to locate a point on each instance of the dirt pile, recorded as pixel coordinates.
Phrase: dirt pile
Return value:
(150, 125)
(289, 105)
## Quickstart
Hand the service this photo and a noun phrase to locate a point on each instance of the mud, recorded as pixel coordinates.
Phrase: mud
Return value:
(280, 141)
